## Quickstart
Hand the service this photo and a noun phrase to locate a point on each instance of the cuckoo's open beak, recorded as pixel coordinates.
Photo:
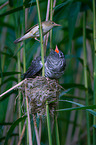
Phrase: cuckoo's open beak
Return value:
(56, 49)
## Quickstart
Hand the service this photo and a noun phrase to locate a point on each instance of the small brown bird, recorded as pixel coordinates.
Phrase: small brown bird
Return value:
(34, 31)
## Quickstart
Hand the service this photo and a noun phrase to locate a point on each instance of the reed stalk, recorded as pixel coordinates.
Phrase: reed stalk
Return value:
(24, 70)
(57, 132)
(19, 67)
(85, 76)
(94, 95)
(19, 102)
(36, 130)
(41, 36)
(24, 45)
(19, 70)
(51, 18)
(29, 142)
(42, 52)
(47, 106)
(48, 123)
(47, 35)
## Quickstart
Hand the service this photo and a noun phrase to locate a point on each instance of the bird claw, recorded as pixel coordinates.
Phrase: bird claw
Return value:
(37, 39)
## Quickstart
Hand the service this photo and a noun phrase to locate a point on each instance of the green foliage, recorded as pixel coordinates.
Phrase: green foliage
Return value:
(12, 128)
(69, 39)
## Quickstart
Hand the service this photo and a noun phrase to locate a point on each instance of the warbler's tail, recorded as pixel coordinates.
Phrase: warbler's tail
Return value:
(26, 36)
(18, 40)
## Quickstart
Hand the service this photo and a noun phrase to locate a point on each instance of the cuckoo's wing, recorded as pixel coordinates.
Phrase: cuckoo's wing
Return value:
(35, 68)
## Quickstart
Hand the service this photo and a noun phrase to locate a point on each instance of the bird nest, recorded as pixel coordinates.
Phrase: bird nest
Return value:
(39, 90)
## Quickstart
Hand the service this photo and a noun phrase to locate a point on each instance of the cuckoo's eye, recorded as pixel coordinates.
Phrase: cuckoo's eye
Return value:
(61, 54)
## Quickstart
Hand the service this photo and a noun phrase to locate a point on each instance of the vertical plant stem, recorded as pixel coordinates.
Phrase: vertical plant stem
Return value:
(51, 10)
(22, 134)
(47, 35)
(24, 67)
(40, 128)
(41, 36)
(47, 17)
(28, 115)
(48, 124)
(85, 75)
(19, 68)
(24, 58)
(36, 130)
(24, 46)
(57, 132)
(48, 9)
(94, 97)
(51, 18)
(19, 103)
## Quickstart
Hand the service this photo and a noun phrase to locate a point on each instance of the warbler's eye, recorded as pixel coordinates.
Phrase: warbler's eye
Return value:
(52, 22)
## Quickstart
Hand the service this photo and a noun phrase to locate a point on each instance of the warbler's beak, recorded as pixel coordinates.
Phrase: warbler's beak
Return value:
(57, 24)
(56, 49)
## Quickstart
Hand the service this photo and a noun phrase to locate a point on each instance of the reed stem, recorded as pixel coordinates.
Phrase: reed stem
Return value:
(41, 37)
(94, 95)
(48, 123)
(57, 132)
(19, 67)
(19, 101)
(24, 45)
(24, 68)
(85, 76)
(36, 130)
(51, 18)
(29, 123)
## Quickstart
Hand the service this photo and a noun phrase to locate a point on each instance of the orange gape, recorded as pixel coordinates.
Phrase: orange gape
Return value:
(56, 49)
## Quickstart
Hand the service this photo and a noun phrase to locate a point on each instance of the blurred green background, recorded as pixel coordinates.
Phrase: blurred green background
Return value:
(15, 18)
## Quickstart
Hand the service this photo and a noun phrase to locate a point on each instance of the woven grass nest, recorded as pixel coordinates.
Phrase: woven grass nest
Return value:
(39, 90)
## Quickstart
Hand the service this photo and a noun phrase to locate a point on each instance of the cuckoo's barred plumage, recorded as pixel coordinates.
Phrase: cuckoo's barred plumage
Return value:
(55, 64)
